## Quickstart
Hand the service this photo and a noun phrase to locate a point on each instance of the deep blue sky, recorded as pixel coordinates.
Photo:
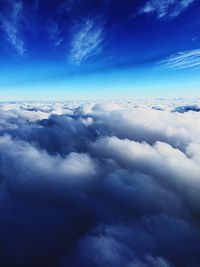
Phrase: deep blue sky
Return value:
(83, 49)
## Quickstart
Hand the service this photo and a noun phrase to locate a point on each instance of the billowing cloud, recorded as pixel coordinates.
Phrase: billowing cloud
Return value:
(87, 40)
(182, 60)
(106, 184)
(166, 8)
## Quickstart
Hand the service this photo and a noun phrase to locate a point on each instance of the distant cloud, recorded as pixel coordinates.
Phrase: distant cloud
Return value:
(87, 40)
(183, 60)
(187, 108)
(166, 8)
(11, 25)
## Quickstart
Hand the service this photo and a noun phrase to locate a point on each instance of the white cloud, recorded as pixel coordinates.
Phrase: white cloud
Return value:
(87, 40)
(160, 160)
(183, 60)
(71, 169)
(11, 25)
(166, 8)
(111, 183)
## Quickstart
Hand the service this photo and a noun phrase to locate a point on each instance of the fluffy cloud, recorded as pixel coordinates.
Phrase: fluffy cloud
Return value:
(106, 184)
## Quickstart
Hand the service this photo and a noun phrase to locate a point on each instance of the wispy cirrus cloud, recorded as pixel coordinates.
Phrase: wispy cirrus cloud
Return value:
(182, 60)
(11, 23)
(87, 40)
(166, 8)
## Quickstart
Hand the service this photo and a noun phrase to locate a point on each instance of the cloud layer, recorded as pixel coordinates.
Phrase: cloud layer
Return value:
(100, 184)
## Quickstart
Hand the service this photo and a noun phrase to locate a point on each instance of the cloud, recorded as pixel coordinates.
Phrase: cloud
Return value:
(182, 60)
(11, 23)
(87, 40)
(100, 184)
(166, 8)
(187, 108)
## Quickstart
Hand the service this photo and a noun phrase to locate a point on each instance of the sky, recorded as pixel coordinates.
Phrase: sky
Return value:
(103, 49)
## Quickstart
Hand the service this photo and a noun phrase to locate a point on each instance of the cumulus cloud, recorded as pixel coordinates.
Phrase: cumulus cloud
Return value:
(166, 8)
(87, 40)
(11, 23)
(100, 184)
(182, 60)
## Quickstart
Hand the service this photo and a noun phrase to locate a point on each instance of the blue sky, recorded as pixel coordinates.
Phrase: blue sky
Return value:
(85, 49)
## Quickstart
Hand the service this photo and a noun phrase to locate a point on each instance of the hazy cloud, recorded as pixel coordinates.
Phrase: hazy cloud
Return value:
(166, 8)
(11, 23)
(87, 40)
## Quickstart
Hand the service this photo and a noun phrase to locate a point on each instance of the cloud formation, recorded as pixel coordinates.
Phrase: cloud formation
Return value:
(11, 24)
(100, 184)
(166, 8)
(187, 108)
(183, 60)
(87, 40)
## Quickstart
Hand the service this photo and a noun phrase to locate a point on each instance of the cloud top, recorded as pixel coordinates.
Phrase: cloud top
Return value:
(100, 184)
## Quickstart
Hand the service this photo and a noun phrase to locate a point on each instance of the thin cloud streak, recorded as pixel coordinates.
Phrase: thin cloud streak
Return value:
(166, 8)
(87, 40)
(11, 25)
(182, 60)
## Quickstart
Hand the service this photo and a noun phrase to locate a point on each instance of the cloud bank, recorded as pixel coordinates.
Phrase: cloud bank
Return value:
(100, 184)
